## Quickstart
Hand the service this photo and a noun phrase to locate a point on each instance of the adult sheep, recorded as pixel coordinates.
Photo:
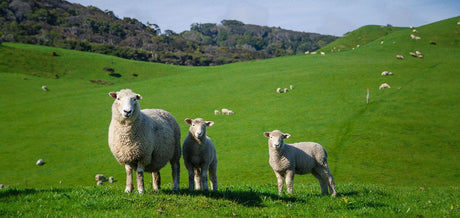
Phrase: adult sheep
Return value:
(298, 158)
(200, 155)
(143, 140)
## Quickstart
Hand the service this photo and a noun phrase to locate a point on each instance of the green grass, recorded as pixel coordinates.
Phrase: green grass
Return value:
(404, 139)
(238, 200)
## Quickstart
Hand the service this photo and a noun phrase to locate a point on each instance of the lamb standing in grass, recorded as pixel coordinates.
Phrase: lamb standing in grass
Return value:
(298, 158)
(143, 140)
(200, 155)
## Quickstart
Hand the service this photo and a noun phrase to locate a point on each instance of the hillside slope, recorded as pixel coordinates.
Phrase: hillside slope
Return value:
(406, 135)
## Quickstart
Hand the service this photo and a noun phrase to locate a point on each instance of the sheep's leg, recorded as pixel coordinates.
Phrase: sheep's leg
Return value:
(289, 180)
(197, 179)
(213, 176)
(156, 180)
(129, 179)
(330, 180)
(140, 179)
(204, 178)
(322, 181)
(191, 175)
(280, 179)
(175, 168)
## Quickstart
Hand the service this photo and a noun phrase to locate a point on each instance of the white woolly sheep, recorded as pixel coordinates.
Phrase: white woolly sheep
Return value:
(200, 155)
(291, 87)
(307, 52)
(386, 73)
(286, 90)
(384, 86)
(111, 179)
(412, 54)
(400, 57)
(44, 88)
(322, 53)
(418, 52)
(313, 53)
(40, 162)
(227, 111)
(417, 38)
(300, 158)
(143, 140)
(216, 112)
(278, 90)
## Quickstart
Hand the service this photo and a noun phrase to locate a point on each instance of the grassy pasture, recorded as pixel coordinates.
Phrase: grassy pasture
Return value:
(404, 139)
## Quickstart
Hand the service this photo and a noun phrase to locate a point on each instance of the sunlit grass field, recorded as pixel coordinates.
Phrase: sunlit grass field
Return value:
(396, 155)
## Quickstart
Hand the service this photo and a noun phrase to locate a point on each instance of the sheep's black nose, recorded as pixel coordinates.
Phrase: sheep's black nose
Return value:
(127, 111)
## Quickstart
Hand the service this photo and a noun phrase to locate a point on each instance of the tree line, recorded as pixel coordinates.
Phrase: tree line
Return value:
(62, 24)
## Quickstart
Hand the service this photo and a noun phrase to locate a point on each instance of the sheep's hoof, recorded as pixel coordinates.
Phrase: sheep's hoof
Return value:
(128, 190)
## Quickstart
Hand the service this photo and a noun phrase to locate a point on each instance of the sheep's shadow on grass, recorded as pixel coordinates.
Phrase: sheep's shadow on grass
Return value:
(247, 198)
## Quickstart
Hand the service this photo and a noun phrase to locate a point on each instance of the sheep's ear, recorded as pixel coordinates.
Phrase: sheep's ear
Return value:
(267, 134)
(209, 123)
(138, 97)
(113, 94)
(286, 135)
(188, 121)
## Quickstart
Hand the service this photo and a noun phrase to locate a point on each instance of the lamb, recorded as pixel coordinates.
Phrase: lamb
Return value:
(301, 158)
(400, 57)
(286, 90)
(40, 162)
(200, 155)
(291, 87)
(323, 53)
(384, 86)
(44, 88)
(412, 54)
(216, 112)
(278, 90)
(143, 140)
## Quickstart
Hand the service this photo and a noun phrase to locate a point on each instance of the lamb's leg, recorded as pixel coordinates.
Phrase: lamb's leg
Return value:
(129, 179)
(330, 180)
(213, 176)
(140, 179)
(280, 179)
(197, 179)
(156, 180)
(289, 180)
(321, 179)
(191, 175)
(204, 178)
(175, 169)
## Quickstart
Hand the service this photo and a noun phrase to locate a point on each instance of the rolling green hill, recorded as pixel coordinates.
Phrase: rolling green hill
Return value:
(406, 136)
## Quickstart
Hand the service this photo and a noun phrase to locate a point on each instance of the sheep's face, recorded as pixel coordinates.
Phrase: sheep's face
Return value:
(198, 127)
(126, 102)
(276, 139)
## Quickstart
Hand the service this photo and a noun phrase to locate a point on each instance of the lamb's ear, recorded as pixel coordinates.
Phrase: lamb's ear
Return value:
(138, 97)
(286, 135)
(113, 95)
(267, 134)
(209, 123)
(188, 121)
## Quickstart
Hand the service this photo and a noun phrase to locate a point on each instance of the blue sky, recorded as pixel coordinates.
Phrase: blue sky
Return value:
(334, 17)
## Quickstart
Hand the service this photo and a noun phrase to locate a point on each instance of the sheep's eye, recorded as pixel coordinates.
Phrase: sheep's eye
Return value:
(118, 99)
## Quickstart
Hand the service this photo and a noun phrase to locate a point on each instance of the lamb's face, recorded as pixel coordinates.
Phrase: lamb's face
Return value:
(198, 127)
(276, 139)
(126, 102)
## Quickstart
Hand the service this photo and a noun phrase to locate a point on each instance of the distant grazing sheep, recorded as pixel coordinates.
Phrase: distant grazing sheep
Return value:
(143, 140)
(227, 111)
(2, 186)
(44, 88)
(100, 177)
(400, 57)
(40, 162)
(286, 90)
(412, 54)
(322, 53)
(291, 87)
(381, 42)
(313, 53)
(216, 112)
(384, 86)
(301, 158)
(307, 52)
(111, 179)
(200, 156)
(278, 90)
(418, 38)
(386, 73)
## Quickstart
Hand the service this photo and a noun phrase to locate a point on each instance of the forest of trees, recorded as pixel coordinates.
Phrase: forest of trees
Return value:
(62, 24)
